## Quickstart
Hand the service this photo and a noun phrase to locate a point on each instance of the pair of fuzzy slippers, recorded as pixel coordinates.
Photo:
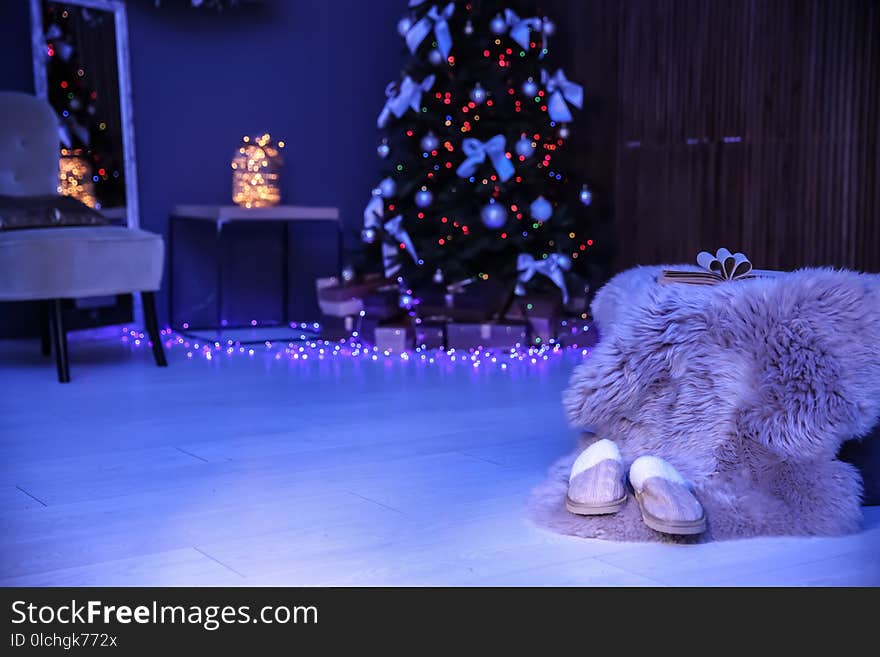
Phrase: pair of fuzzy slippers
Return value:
(596, 486)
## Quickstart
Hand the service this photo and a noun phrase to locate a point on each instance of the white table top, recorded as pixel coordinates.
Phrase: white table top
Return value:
(221, 213)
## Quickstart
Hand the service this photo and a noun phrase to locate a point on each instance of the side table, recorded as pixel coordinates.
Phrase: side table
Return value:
(236, 267)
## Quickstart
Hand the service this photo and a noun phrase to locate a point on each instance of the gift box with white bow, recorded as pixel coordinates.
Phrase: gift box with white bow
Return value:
(338, 299)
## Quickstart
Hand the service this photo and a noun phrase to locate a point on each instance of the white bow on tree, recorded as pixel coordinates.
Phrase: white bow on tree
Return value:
(561, 90)
(390, 252)
(374, 212)
(520, 27)
(553, 267)
(477, 151)
(433, 20)
(408, 95)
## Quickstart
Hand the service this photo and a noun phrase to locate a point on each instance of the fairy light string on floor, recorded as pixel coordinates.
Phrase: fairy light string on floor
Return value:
(309, 348)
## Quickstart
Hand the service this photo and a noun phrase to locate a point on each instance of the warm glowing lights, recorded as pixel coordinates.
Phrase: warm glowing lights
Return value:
(75, 177)
(256, 172)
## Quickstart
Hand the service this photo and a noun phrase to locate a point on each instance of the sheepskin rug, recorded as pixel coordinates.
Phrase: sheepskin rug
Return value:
(748, 388)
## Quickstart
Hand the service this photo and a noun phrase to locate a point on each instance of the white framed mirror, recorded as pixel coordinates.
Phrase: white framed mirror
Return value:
(81, 66)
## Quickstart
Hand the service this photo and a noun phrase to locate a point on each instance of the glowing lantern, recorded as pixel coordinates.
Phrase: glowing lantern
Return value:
(75, 177)
(256, 172)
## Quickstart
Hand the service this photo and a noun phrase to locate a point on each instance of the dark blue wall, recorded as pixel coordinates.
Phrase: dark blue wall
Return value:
(311, 72)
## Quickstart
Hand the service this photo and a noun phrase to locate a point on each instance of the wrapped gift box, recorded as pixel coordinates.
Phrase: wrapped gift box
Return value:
(578, 295)
(366, 330)
(541, 312)
(577, 332)
(495, 335)
(383, 304)
(577, 303)
(431, 333)
(338, 328)
(394, 337)
(476, 301)
(341, 299)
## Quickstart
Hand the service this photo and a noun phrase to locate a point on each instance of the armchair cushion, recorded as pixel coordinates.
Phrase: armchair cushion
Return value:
(74, 262)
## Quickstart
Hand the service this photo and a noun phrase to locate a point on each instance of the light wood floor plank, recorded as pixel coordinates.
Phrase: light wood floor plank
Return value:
(249, 470)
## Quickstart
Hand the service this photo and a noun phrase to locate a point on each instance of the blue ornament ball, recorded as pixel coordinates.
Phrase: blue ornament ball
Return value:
(368, 235)
(524, 147)
(586, 195)
(530, 87)
(424, 198)
(387, 187)
(383, 149)
(493, 215)
(435, 57)
(498, 25)
(541, 209)
(403, 25)
(429, 142)
(549, 27)
(478, 94)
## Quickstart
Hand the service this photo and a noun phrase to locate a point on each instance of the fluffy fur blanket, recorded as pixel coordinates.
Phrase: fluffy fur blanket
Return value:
(748, 388)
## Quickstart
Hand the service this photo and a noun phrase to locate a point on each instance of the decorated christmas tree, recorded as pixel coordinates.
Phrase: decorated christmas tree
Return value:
(474, 135)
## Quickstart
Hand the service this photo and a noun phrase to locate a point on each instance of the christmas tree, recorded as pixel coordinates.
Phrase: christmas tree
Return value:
(475, 187)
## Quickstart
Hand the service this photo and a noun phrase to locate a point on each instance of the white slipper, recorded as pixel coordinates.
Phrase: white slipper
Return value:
(666, 501)
(595, 485)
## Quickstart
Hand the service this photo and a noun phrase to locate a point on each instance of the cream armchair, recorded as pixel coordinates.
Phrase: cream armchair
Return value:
(53, 264)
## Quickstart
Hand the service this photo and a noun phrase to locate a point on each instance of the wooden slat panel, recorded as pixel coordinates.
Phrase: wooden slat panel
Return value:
(796, 81)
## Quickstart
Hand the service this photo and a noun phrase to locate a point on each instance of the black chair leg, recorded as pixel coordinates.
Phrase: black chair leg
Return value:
(59, 340)
(45, 329)
(149, 300)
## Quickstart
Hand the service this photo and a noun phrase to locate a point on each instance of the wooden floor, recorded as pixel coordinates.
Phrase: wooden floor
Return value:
(254, 471)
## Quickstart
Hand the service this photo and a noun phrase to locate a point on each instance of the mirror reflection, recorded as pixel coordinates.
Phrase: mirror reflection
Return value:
(80, 65)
